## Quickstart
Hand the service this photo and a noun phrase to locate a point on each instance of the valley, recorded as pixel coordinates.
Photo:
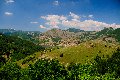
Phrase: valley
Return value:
(70, 48)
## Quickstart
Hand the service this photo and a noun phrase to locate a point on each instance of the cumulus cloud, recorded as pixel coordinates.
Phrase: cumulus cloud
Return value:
(89, 25)
(74, 16)
(56, 3)
(34, 22)
(56, 21)
(43, 27)
(9, 1)
(8, 13)
(90, 16)
(51, 17)
(63, 18)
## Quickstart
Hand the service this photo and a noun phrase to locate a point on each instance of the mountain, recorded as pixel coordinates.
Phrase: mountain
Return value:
(70, 37)
(63, 38)
(109, 33)
(26, 35)
(116, 34)
(7, 31)
(59, 33)
(74, 30)
(105, 32)
(59, 37)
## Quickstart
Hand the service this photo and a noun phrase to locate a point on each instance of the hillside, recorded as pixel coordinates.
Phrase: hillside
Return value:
(74, 30)
(84, 52)
(13, 48)
(26, 35)
(72, 36)
(109, 32)
(64, 38)
(58, 37)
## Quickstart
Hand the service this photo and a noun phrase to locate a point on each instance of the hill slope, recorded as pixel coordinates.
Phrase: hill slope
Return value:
(109, 32)
(15, 48)
(58, 37)
(83, 53)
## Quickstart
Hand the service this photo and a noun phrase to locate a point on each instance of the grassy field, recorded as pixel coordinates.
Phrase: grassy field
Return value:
(83, 53)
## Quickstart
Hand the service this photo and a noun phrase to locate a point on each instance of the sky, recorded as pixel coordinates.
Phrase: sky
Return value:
(43, 15)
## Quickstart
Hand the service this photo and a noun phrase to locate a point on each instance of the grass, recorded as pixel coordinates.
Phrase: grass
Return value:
(83, 53)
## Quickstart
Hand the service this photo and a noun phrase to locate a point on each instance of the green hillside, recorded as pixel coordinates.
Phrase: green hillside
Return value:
(83, 53)
(110, 32)
(13, 48)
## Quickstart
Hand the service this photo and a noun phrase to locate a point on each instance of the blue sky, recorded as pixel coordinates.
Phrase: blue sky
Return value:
(42, 15)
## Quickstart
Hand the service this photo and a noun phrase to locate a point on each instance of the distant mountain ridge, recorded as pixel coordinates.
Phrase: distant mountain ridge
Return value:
(74, 36)
(109, 32)
(74, 30)
(7, 31)
(69, 37)
(27, 35)
(63, 37)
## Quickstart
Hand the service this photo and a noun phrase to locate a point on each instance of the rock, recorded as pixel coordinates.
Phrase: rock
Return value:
(61, 55)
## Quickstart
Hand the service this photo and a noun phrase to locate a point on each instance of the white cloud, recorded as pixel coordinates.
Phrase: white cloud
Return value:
(34, 22)
(56, 21)
(90, 16)
(74, 16)
(8, 13)
(70, 23)
(89, 25)
(9, 1)
(56, 3)
(54, 26)
(51, 17)
(43, 27)
(63, 18)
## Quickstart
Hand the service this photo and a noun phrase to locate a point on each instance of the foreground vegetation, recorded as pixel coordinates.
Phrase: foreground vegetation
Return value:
(45, 69)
